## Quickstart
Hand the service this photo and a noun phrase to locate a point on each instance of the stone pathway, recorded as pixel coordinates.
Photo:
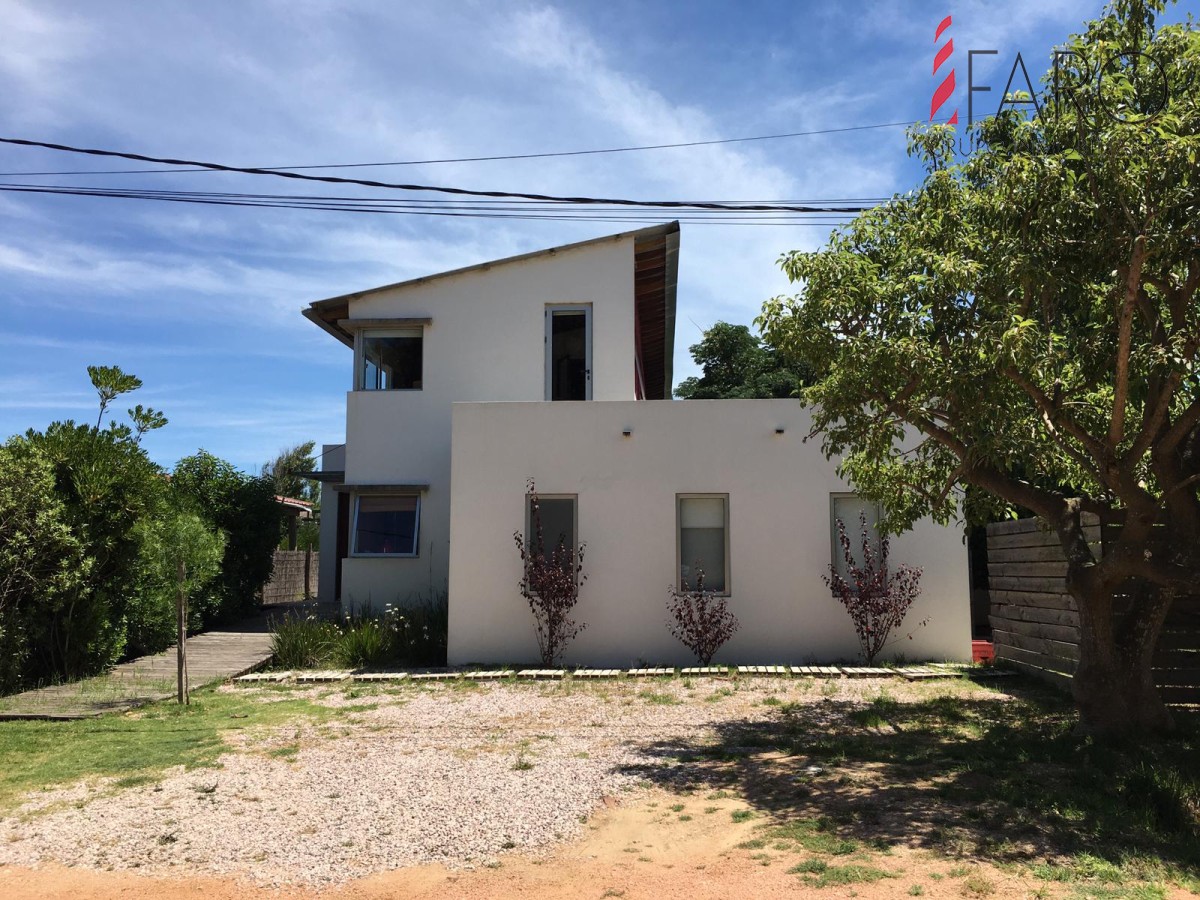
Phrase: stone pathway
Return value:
(212, 656)
(910, 673)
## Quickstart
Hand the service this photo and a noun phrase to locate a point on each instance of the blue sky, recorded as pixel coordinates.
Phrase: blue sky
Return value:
(203, 303)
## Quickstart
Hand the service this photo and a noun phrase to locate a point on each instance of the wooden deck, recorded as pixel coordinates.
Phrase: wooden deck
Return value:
(212, 656)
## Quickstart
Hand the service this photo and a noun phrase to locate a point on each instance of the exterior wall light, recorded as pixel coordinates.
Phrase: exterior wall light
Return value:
(779, 430)
(627, 432)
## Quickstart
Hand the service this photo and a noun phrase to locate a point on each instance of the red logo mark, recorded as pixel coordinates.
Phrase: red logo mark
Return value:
(946, 88)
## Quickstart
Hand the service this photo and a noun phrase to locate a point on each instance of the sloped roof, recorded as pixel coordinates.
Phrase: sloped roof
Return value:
(656, 267)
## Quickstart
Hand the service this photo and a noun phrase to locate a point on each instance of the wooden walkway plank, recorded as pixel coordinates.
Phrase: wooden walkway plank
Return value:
(212, 656)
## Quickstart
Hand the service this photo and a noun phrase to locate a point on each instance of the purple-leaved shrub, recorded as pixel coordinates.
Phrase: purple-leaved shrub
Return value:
(550, 583)
(702, 620)
(876, 599)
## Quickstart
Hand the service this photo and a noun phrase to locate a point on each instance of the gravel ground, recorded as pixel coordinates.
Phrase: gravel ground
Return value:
(432, 774)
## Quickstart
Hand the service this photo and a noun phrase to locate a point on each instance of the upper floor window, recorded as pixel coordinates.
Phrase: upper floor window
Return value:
(390, 360)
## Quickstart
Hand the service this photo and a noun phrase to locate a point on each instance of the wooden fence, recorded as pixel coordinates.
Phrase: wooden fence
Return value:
(293, 579)
(1035, 624)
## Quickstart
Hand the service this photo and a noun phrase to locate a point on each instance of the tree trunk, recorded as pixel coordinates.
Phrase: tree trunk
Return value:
(181, 628)
(1114, 686)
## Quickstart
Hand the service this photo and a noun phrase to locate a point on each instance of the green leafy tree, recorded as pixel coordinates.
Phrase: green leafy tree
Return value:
(1026, 322)
(736, 364)
(173, 536)
(41, 561)
(106, 484)
(183, 554)
(284, 472)
(244, 508)
(110, 383)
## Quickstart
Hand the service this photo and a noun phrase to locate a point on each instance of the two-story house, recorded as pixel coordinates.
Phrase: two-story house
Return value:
(556, 366)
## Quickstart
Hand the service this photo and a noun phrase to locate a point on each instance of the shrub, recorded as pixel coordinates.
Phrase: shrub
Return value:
(550, 584)
(702, 620)
(307, 643)
(413, 634)
(421, 627)
(876, 599)
(41, 560)
(106, 484)
(365, 642)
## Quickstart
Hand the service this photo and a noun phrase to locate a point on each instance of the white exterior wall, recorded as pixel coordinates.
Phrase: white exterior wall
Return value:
(779, 532)
(485, 343)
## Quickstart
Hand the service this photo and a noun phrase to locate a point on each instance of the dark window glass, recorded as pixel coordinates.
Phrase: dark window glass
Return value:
(568, 355)
(558, 525)
(386, 525)
(391, 363)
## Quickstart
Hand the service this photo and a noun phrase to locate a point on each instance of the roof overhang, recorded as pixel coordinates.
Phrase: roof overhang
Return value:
(656, 255)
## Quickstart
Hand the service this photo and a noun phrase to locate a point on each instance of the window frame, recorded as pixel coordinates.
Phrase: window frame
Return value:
(548, 347)
(835, 547)
(679, 498)
(355, 553)
(360, 337)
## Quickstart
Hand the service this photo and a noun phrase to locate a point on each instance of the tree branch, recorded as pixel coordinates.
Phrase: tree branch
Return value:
(1133, 281)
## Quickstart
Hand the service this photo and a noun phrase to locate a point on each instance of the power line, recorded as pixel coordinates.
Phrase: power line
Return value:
(334, 179)
(410, 202)
(589, 214)
(505, 157)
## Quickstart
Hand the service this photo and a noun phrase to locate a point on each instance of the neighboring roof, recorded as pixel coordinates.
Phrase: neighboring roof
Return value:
(656, 264)
(295, 507)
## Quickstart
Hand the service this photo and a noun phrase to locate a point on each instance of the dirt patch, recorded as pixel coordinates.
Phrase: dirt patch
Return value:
(641, 850)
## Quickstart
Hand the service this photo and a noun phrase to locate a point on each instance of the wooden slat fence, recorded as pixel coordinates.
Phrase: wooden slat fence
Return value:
(1035, 625)
(288, 583)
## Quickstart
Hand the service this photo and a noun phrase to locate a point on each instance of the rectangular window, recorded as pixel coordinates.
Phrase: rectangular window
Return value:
(569, 353)
(386, 525)
(848, 509)
(558, 523)
(390, 360)
(704, 540)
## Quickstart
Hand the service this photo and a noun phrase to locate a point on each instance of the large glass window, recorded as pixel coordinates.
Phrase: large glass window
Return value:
(391, 361)
(387, 525)
(704, 541)
(850, 509)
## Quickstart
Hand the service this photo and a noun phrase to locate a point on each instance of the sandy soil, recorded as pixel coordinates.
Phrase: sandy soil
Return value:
(629, 852)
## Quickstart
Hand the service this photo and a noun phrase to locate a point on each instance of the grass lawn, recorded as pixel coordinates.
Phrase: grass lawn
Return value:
(135, 746)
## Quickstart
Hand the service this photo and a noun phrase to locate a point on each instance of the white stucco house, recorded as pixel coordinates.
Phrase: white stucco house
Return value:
(556, 366)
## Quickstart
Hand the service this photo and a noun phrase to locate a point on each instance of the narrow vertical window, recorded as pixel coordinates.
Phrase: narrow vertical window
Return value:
(568, 353)
(850, 509)
(704, 540)
(557, 516)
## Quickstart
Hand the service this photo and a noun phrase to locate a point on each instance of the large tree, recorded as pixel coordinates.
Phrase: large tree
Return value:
(1026, 322)
(736, 364)
(284, 472)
